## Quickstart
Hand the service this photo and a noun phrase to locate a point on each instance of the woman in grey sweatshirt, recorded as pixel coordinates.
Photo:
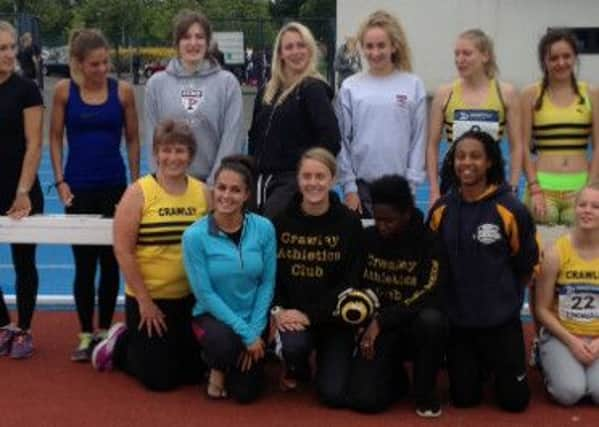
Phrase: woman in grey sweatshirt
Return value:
(382, 115)
(194, 88)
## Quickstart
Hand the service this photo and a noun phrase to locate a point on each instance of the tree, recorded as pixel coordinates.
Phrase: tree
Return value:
(285, 8)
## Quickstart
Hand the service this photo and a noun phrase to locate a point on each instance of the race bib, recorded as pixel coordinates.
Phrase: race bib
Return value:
(578, 303)
(483, 120)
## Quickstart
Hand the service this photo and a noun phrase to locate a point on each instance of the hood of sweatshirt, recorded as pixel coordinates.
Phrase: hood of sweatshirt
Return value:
(205, 68)
(490, 193)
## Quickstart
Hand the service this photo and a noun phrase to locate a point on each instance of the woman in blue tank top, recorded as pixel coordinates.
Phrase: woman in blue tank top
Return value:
(94, 109)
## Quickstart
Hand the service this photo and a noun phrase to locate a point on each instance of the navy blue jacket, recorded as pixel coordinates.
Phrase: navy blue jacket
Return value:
(492, 250)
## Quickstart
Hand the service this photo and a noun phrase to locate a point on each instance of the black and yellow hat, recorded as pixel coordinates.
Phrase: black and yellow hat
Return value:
(356, 306)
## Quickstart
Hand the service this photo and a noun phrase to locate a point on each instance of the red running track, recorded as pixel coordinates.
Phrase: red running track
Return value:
(50, 390)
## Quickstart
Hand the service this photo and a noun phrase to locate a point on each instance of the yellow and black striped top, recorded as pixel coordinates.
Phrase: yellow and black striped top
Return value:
(460, 117)
(576, 302)
(164, 218)
(563, 130)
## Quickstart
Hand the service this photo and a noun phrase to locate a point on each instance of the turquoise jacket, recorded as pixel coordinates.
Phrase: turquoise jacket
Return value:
(234, 283)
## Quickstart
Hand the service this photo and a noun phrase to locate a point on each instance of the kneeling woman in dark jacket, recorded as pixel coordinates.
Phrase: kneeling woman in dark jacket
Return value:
(405, 268)
(490, 240)
(319, 255)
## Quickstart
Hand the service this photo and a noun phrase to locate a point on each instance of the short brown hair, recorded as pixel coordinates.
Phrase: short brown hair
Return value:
(184, 20)
(174, 132)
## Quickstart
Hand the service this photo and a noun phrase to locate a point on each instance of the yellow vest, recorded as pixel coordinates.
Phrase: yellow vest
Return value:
(460, 117)
(576, 302)
(563, 130)
(158, 252)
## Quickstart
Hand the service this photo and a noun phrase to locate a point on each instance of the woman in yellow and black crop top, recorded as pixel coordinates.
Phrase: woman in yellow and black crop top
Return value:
(568, 306)
(157, 344)
(559, 115)
(478, 99)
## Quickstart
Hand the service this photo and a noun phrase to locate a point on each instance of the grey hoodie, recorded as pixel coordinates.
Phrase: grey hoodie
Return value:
(209, 100)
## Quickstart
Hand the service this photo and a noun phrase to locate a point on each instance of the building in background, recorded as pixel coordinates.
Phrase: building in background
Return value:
(515, 26)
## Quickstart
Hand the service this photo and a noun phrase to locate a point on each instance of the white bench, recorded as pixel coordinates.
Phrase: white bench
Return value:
(94, 230)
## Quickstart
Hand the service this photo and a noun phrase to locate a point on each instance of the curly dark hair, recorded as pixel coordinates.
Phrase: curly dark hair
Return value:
(495, 174)
(392, 190)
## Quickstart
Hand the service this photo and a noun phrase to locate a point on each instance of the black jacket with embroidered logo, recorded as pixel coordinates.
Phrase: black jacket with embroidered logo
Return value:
(317, 258)
(492, 251)
(281, 133)
(406, 273)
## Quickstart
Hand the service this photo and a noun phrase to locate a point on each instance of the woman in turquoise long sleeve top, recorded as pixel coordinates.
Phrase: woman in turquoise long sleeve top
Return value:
(230, 259)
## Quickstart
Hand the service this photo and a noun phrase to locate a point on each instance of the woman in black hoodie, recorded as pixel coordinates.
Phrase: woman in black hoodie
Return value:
(490, 240)
(292, 113)
(405, 268)
(319, 255)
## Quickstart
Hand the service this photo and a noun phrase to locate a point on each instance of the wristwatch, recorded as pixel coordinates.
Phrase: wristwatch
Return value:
(275, 310)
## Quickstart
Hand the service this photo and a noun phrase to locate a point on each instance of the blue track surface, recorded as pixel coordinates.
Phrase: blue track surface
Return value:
(55, 262)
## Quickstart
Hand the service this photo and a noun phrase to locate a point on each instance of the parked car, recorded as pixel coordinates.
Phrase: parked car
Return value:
(153, 67)
(55, 61)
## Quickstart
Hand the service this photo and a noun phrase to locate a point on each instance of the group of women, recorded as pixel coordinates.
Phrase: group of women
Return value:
(225, 256)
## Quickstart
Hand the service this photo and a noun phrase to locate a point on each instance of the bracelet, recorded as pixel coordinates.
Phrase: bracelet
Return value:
(533, 182)
(58, 183)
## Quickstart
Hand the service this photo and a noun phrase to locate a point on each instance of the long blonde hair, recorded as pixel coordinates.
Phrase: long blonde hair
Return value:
(484, 44)
(402, 58)
(278, 81)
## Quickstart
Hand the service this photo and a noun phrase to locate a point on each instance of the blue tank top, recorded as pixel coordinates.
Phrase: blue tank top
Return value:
(94, 160)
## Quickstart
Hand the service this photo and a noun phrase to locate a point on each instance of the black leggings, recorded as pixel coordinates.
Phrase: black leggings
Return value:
(375, 384)
(334, 345)
(498, 350)
(101, 202)
(221, 348)
(23, 259)
(160, 363)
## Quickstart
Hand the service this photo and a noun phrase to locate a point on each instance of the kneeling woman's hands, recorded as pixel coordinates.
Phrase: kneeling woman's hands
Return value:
(291, 320)
(151, 317)
(253, 353)
(369, 338)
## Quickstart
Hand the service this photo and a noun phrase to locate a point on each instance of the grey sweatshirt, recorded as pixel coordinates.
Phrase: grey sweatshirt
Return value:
(383, 128)
(209, 100)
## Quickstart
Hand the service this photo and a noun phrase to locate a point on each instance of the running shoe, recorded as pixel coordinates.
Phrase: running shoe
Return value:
(83, 351)
(430, 410)
(102, 354)
(6, 337)
(22, 345)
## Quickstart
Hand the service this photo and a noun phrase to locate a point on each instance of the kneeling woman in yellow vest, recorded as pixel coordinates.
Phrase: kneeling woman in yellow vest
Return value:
(560, 115)
(568, 306)
(157, 345)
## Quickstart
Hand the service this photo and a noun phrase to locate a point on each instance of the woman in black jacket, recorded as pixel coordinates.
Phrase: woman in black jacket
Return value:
(489, 237)
(292, 113)
(319, 247)
(405, 268)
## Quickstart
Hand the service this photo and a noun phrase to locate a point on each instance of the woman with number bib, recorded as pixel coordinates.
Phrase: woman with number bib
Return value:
(476, 98)
(560, 114)
(568, 306)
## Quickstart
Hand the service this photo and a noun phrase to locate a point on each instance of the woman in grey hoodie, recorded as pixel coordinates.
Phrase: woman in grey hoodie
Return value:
(194, 88)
